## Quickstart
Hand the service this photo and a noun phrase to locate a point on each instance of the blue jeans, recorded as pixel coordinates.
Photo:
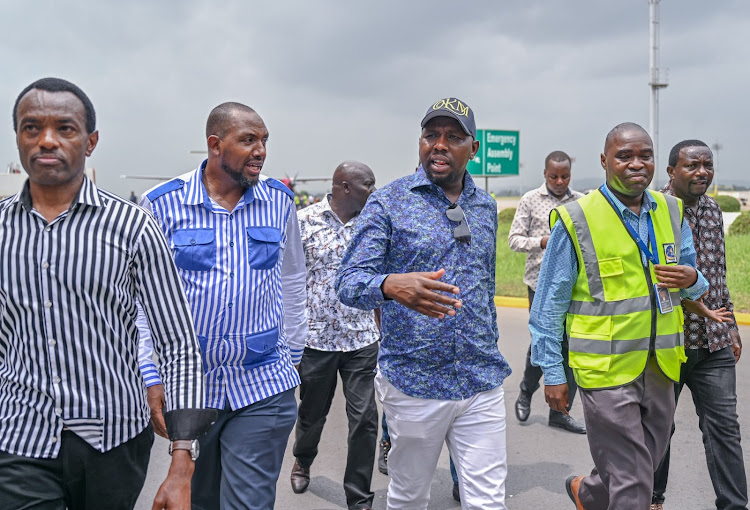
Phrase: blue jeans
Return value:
(712, 380)
(241, 455)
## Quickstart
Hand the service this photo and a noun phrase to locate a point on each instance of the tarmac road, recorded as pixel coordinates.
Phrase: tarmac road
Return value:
(540, 458)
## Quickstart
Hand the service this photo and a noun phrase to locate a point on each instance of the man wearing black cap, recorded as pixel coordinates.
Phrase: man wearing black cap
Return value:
(423, 250)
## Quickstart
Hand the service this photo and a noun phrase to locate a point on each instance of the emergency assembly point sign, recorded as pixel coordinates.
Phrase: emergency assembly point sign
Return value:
(498, 153)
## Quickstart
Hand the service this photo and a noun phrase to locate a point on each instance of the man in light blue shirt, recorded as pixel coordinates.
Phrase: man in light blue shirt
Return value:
(236, 243)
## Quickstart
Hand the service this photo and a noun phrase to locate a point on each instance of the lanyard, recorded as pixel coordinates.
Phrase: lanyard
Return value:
(652, 256)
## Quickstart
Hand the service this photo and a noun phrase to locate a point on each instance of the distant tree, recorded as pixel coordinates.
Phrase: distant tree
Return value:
(728, 203)
(741, 225)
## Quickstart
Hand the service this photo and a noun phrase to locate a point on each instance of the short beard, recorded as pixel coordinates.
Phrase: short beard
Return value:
(440, 181)
(240, 178)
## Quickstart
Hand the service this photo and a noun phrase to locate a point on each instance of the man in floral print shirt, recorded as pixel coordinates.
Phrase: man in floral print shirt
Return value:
(712, 347)
(341, 340)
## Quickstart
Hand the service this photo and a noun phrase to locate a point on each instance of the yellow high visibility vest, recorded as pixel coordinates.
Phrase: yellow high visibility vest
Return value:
(613, 319)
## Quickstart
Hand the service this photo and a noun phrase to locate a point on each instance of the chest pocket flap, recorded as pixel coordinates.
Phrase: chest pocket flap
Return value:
(613, 279)
(195, 248)
(263, 244)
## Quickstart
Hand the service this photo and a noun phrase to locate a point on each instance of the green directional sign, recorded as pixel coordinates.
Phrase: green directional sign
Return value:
(498, 153)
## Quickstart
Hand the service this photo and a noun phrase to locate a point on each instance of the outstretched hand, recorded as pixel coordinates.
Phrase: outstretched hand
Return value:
(422, 292)
(698, 307)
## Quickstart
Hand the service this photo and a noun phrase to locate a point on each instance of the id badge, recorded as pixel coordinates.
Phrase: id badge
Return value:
(670, 253)
(663, 299)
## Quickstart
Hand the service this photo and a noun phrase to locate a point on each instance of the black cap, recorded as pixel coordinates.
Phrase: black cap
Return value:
(452, 107)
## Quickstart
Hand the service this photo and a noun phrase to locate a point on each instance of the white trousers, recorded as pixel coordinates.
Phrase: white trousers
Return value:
(473, 429)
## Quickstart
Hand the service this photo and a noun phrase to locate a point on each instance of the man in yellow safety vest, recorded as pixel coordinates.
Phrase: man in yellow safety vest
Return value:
(607, 258)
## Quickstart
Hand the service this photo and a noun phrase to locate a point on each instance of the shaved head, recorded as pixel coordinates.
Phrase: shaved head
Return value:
(622, 128)
(221, 117)
(353, 182)
(348, 170)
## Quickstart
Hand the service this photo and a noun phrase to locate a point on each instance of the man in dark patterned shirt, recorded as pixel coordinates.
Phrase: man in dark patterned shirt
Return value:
(423, 250)
(712, 348)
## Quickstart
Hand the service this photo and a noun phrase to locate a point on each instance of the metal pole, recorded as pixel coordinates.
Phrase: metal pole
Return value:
(656, 83)
(716, 146)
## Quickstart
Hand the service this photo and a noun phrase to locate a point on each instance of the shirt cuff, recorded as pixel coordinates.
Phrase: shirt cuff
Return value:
(189, 423)
(150, 375)
(296, 356)
(376, 289)
(554, 375)
(696, 290)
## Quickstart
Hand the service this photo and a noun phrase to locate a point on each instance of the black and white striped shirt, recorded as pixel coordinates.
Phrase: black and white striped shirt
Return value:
(68, 339)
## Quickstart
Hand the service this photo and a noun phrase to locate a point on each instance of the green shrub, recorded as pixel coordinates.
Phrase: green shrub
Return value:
(506, 215)
(740, 226)
(728, 203)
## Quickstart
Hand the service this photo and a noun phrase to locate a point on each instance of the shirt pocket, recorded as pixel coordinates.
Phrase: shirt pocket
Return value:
(263, 246)
(613, 279)
(195, 249)
(260, 349)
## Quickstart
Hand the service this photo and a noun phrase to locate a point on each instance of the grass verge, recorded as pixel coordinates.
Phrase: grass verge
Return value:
(738, 271)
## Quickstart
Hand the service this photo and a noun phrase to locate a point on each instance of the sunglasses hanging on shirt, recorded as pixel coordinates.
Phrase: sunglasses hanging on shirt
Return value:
(462, 233)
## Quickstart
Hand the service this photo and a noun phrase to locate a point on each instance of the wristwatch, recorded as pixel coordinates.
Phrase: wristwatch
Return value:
(186, 444)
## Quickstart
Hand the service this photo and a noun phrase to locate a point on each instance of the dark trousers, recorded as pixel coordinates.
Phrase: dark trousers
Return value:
(532, 375)
(628, 432)
(79, 478)
(318, 371)
(241, 455)
(712, 380)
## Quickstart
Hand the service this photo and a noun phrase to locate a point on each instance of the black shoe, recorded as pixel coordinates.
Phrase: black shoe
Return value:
(456, 492)
(385, 447)
(523, 406)
(300, 478)
(565, 422)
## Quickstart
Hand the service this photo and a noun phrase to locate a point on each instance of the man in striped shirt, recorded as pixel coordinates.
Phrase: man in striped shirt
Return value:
(74, 423)
(236, 242)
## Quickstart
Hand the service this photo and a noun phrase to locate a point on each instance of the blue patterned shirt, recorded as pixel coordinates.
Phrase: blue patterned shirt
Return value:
(243, 272)
(558, 277)
(403, 228)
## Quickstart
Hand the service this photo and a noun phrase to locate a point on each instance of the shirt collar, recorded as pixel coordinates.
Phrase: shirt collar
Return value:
(544, 190)
(88, 194)
(325, 207)
(420, 179)
(196, 194)
(648, 202)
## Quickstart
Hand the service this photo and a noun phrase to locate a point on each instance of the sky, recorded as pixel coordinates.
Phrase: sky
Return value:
(347, 80)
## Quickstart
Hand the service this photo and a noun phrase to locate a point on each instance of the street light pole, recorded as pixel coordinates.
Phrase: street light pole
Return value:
(716, 147)
(655, 82)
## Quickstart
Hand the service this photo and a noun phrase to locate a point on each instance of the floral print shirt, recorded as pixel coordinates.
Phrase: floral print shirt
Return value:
(333, 326)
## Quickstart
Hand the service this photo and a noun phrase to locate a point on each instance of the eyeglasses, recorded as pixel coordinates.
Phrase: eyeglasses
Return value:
(462, 233)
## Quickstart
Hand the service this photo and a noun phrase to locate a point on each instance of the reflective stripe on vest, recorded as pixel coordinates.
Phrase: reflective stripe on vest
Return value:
(588, 253)
(636, 304)
(622, 346)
